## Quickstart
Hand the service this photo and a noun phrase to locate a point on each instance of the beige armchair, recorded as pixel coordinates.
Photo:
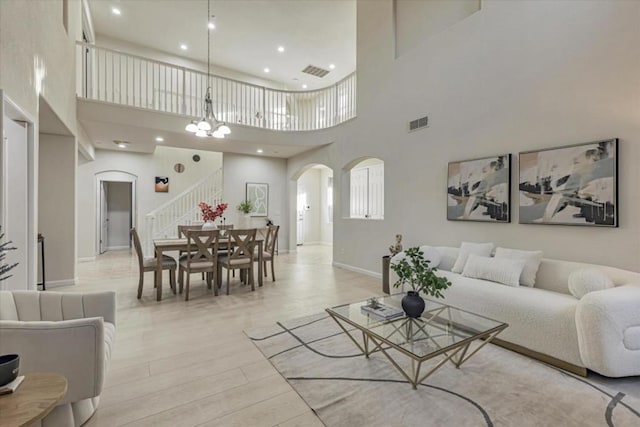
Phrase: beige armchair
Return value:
(71, 334)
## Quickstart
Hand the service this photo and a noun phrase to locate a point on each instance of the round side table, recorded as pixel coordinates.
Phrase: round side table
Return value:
(33, 400)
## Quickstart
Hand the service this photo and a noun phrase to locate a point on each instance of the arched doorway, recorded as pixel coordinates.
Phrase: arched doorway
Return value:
(314, 201)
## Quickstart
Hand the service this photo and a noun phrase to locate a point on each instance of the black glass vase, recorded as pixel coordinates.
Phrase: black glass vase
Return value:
(412, 304)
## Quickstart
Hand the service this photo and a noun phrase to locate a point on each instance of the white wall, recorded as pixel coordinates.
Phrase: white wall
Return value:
(238, 170)
(118, 214)
(145, 167)
(514, 76)
(57, 206)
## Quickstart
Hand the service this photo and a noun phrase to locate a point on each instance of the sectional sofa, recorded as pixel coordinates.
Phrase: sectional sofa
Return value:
(598, 328)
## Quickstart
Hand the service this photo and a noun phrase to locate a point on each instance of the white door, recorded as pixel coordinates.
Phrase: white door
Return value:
(302, 201)
(15, 201)
(104, 217)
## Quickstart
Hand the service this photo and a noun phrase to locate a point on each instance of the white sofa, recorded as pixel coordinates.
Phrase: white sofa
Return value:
(67, 333)
(600, 331)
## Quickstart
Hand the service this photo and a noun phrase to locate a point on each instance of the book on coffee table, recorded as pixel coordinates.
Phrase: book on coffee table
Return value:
(12, 386)
(383, 311)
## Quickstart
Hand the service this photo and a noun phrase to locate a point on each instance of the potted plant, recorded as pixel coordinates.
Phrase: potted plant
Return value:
(4, 248)
(413, 270)
(245, 207)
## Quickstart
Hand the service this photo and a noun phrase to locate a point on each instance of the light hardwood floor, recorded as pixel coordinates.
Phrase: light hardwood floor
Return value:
(178, 363)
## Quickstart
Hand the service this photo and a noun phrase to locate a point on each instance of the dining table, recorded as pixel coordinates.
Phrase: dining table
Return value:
(180, 244)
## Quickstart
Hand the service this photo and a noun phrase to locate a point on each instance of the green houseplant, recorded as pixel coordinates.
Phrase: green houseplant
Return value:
(246, 207)
(4, 248)
(414, 270)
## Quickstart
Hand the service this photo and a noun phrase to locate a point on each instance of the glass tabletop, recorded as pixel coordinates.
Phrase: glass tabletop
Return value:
(440, 327)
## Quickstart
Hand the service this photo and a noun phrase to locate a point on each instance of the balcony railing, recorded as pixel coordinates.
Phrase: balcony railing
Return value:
(121, 78)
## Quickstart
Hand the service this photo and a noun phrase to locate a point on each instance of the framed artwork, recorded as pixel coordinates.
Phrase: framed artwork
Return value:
(162, 184)
(570, 185)
(479, 189)
(258, 194)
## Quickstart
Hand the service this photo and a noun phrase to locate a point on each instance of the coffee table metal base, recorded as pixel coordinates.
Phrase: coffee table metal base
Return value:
(457, 353)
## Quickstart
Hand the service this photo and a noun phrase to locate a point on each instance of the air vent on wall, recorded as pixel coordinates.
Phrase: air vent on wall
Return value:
(315, 71)
(421, 123)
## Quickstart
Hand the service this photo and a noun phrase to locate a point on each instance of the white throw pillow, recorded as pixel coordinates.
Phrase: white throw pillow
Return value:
(531, 266)
(431, 254)
(500, 270)
(468, 248)
(581, 282)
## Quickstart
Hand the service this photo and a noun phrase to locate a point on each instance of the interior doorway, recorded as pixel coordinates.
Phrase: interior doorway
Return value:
(314, 207)
(116, 215)
(116, 210)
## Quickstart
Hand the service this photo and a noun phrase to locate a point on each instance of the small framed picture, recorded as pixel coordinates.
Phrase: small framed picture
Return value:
(570, 185)
(479, 189)
(258, 194)
(162, 184)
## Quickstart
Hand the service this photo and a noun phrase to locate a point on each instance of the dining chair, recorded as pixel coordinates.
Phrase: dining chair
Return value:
(201, 257)
(151, 264)
(269, 252)
(243, 243)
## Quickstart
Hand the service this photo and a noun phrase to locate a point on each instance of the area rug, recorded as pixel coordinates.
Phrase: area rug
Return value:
(496, 387)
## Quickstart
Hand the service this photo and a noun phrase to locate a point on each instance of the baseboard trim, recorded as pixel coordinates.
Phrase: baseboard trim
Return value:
(575, 369)
(59, 283)
(318, 243)
(87, 259)
(357, 270)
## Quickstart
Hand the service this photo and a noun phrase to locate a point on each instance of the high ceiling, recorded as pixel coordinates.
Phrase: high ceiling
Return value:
(247, 34)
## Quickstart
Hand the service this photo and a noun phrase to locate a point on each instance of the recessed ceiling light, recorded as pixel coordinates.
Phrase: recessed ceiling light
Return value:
(259, 151)
(120, 143)
(212, 26)
(266, 70)
(116, 11)
(332, 66)
(304, 86)
(280, 49)
(184, 46)
(159, 139)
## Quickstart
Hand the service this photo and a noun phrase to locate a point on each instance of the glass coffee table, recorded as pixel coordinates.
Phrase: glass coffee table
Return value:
(442, 330)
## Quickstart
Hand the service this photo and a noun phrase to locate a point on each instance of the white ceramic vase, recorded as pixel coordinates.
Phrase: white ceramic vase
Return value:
(209, 225)
(244, 221)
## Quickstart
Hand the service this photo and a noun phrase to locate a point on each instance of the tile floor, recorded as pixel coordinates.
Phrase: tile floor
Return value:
(180, 363)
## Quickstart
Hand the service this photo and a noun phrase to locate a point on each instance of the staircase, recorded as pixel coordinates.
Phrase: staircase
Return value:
(183, 209)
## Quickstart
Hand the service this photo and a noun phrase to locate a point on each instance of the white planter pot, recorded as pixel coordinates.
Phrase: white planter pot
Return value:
(209, 225)
(244, 221)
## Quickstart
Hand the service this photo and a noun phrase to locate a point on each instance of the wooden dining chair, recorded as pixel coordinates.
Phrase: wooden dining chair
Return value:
(269, 252)
(201, 257)
(243, 243)
(151, 264)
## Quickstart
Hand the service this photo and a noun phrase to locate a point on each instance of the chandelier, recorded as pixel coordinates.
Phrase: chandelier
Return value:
(208, 125)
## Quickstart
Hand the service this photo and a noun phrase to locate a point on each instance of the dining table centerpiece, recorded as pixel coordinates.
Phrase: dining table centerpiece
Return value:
(209, 214)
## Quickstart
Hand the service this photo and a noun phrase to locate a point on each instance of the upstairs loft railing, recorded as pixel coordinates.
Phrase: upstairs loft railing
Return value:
(121, 78)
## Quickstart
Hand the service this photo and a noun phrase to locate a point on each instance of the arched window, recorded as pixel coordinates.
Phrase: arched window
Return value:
(366, 192)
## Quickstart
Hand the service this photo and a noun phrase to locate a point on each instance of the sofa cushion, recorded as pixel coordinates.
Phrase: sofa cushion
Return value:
(448, 257)
(468, 248)
(500, 270)
(532, 258)
(539, 320)
(586, 280)
(432, 255)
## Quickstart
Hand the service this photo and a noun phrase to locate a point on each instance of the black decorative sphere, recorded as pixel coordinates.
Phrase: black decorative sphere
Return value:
(196, 158)
(413, 304)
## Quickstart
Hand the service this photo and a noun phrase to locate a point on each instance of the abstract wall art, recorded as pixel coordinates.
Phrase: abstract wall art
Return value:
(479, 190)
(258, 194)
(571, 185)
(162, 184)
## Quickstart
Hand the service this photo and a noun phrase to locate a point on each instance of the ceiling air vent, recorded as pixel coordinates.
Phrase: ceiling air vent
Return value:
(315, 71)
(421, 123)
